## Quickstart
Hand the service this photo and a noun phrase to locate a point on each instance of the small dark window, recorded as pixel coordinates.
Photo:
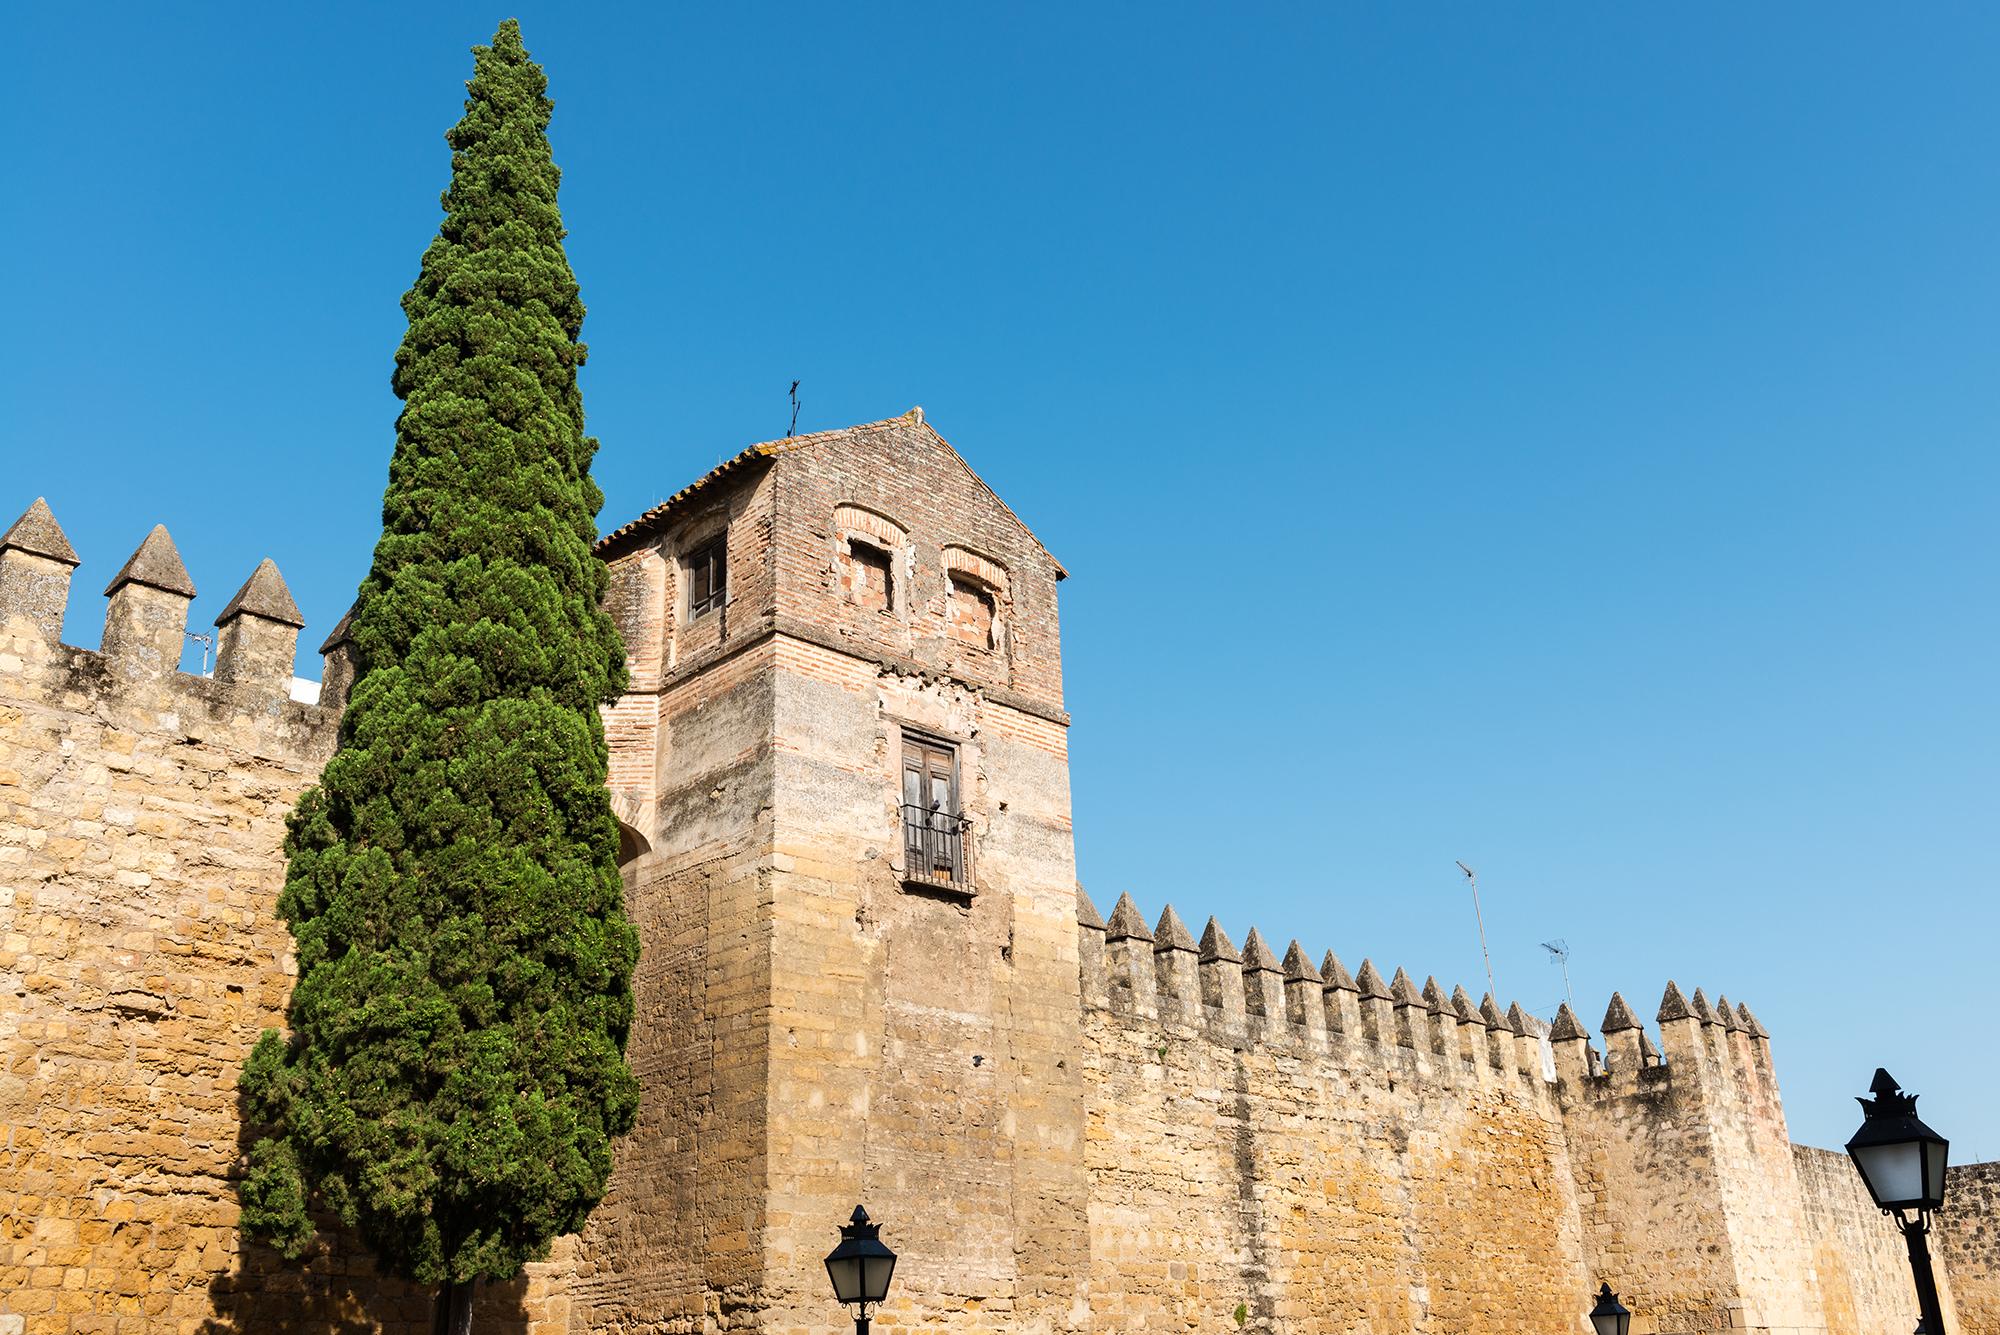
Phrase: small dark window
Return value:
(933, 828)
(708, 577)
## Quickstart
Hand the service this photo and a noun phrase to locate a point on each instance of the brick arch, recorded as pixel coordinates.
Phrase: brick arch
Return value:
(849, 519)
(983, 569)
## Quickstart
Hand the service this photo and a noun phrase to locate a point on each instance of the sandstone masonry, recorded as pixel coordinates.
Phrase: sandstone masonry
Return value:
(868, 974)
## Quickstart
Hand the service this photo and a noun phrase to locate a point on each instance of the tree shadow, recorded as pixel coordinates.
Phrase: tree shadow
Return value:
(335, 1288)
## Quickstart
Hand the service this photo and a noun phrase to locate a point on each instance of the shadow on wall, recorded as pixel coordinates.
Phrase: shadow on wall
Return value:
(334, 1289)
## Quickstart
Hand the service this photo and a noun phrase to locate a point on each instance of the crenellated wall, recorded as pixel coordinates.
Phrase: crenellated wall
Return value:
(1337, 1153)
(1328, 1152)
(142, 816)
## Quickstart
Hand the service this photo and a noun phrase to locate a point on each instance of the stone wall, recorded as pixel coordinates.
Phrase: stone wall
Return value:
(1966, 1245)
(142, 816)
(1864, 1273)
(677, 1244)
(1684, 1157)
(1319, 1158)
(1645, 1161)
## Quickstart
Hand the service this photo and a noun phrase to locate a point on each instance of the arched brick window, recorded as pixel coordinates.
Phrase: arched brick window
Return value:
(975, 598)
(869, 550)
(971, 612)
(867, 575)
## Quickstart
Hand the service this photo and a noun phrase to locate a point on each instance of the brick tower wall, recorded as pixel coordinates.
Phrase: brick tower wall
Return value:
(678, 1243)
(836, 1035)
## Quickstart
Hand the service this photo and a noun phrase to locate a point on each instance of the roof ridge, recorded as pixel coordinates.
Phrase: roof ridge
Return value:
(768, 449)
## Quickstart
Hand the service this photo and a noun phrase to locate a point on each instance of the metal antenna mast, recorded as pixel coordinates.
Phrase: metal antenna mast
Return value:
(1559, 954)
(1480, 918)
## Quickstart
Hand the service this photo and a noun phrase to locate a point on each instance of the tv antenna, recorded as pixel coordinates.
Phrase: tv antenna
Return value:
(793, 429)
(1472, 879)
(1559, 954)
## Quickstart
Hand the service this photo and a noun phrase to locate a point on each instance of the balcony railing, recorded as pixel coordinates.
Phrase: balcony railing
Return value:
(935, 845)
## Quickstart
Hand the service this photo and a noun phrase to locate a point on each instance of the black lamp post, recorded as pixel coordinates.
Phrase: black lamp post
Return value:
(860, 1267)
(1901, 1162)
(1610, 1317)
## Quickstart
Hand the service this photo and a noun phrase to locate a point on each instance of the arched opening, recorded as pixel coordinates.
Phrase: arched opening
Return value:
(631, 844)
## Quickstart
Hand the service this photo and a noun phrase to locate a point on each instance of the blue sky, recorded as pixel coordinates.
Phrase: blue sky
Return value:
(1554, 438)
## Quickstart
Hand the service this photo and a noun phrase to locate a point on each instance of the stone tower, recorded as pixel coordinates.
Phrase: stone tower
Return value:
(842, 768)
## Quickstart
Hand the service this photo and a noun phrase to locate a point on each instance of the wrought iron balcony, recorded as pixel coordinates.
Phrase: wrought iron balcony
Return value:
(936, 845)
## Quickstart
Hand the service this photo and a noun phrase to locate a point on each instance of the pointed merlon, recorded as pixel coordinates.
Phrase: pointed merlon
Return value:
(157, 564)
(1433, 996)
(1674, 1006)
(1566, 1026)
(1489, 1011)
(1751, 1022)
(1299, 969)
(1462, 1007)
(1216, 947)
(1725, 1015)
(1335, 973)
(1618, 1016)
(1126, 924)
(1517, 1020)
(264, 595)
(1647, 1052)
(1403, 991)
(38, 533)
(1172, 933)
(1086, 912)
(1702, 1010)
(1369, 981)
(1257, 957)
(343, 633)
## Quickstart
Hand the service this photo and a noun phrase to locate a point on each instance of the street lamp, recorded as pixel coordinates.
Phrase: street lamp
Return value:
(1610, 1317)
(860, 1267)
(1901, 1162)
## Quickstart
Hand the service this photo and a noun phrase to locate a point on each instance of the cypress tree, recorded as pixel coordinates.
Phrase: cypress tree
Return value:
(455, 1072)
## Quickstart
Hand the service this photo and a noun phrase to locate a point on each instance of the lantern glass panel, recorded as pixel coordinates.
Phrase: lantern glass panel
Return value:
(845, 1272)
(1895, 1172)
(875, 1272)
(1934, 1160)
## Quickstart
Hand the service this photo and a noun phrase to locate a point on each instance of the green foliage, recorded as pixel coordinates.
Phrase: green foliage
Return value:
(455, 1070)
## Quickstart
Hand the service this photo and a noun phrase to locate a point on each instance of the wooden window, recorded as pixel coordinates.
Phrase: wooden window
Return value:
(865, 575)
(933, 828)
(708, 577)
(971, 613)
